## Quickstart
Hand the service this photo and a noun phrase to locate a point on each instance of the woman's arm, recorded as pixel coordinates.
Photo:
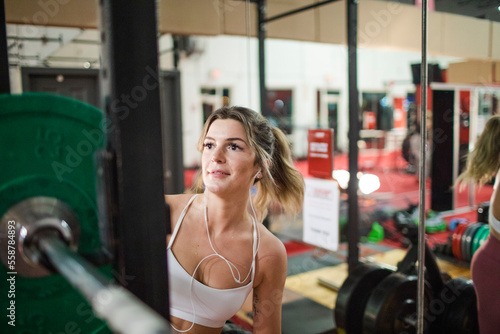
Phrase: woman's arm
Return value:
(268, 293)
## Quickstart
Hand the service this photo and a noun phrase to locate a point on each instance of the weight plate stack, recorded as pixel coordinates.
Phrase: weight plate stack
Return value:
(353, 295)
(392, 306)
(48, 143)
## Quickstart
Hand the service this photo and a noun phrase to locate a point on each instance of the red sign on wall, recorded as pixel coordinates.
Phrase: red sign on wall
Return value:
(320, 152)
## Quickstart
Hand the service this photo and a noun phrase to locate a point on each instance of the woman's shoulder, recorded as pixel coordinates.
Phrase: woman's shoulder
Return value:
(178, 199)
(271, 248)
(177, 202)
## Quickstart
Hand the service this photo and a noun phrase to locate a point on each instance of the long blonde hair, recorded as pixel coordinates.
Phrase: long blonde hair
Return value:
(280, 182)
(483, 162)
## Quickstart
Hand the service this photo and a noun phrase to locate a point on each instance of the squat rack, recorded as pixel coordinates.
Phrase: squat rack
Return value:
(146, 204)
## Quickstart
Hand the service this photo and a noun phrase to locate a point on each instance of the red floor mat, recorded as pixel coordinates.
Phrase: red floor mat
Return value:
(295, 247)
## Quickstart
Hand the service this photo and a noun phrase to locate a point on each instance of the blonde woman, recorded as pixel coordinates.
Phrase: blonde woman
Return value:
(482, 165)
(222, 252)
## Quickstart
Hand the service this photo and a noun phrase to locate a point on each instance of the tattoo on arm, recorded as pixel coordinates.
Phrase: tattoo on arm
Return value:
(255, 301)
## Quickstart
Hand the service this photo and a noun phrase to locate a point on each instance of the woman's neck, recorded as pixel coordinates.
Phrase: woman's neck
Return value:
(225, 214)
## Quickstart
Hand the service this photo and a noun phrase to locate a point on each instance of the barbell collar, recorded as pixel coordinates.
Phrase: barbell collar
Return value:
(31, 217)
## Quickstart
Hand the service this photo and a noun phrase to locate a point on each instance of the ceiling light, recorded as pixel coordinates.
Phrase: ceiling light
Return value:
(367, 183)
(342, 176)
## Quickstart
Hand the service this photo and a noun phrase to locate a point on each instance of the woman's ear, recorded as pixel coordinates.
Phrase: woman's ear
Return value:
(266, 164)
(258, 176)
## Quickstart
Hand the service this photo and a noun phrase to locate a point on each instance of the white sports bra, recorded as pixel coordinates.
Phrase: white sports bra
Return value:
(196, 302)
(494, 223)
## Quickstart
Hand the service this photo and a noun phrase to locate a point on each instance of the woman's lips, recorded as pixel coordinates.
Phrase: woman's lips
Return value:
(218, 173)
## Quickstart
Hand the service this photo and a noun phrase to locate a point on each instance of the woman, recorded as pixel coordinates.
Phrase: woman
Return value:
(222, 252)
(482, 165)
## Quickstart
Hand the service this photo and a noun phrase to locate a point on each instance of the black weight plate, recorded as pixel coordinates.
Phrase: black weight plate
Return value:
(462, 315)
(455, 311)
(464, 244)
(392, 303)
(470, 238)
(353, 295)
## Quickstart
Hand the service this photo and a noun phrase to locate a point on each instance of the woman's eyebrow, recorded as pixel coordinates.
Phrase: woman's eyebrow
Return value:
(229, 139)
(236, 139)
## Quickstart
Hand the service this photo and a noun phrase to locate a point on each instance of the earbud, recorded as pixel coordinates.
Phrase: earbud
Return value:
(256, 175)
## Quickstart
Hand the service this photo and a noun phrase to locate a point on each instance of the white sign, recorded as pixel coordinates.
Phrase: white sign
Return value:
(321, 213)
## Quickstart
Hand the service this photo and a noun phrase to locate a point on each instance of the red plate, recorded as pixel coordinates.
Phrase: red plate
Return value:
(456, 242)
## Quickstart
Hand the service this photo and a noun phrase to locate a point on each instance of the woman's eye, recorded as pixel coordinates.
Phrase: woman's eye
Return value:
(208, 145)
(233, 147)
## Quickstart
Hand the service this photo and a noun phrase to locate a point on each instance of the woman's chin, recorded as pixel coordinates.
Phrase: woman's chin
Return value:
(214, 188)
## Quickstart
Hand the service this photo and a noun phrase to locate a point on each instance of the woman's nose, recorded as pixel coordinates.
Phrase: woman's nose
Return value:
(218, 155)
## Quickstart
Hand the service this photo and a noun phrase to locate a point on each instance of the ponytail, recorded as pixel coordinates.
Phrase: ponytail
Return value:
(284, 183)
(483, 162)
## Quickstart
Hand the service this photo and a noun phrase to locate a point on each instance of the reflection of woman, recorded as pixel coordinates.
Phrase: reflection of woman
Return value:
(482, 165)
(221, 252)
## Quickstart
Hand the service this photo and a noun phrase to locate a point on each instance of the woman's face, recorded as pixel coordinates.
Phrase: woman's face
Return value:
(228, 161)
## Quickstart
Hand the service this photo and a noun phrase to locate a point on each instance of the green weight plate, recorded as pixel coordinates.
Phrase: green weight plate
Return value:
(474, 232)
(477, 238)
(470, 239)
(435, 228)
(484, 236)
(48, 143)
(353, 295)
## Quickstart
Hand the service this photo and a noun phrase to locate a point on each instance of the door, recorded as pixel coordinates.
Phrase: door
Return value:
(82, 85)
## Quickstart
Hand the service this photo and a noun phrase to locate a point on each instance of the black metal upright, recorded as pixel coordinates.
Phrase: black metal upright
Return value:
(133, 104)
(175, 47)
(261, 26)
(354, 123)
(172, 135)
(4, 54)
